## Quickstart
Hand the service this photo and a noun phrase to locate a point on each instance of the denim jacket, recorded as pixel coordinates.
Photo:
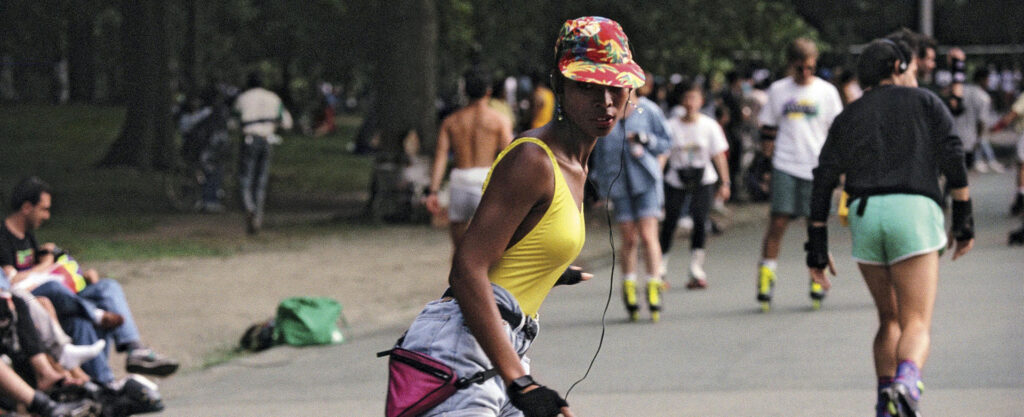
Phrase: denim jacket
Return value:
(642, 174)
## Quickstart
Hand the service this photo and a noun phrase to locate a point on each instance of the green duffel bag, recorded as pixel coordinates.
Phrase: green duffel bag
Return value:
(303, 321)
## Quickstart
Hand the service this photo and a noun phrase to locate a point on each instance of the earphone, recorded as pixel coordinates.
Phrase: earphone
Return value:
(899, 55)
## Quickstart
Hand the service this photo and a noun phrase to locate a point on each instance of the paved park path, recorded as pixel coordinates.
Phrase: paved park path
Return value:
(713, 354)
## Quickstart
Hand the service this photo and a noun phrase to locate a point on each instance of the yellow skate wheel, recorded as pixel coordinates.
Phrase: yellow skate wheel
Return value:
(655, 316)
(816, 305)
(766, 306)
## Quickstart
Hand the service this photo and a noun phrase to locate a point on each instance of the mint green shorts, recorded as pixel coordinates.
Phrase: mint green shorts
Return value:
(896, 227)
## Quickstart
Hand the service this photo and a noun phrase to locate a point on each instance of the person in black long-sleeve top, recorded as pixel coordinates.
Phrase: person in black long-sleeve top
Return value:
(892, 144)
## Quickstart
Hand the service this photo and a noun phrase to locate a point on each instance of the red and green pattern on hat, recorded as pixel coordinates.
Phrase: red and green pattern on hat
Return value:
(595, 50)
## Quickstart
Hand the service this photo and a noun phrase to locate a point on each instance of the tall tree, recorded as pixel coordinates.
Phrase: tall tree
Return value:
(188, 50)
(81, 51)
(147, 133)
(404, 81)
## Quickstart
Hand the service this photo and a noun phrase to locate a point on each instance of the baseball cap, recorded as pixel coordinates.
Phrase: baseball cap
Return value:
(595, 50)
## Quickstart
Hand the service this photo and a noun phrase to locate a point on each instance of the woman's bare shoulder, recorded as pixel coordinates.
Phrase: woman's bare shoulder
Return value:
(526, 163)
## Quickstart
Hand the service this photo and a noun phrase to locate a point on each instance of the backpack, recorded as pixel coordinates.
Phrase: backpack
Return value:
(303, 321)
(258, 337)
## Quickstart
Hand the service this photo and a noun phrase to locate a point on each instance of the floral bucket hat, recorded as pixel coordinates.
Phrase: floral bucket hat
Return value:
(595, 50)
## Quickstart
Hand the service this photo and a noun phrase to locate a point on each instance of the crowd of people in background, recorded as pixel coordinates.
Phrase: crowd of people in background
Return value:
(734, 98)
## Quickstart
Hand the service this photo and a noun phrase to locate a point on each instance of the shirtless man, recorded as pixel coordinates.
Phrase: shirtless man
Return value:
(475, 134)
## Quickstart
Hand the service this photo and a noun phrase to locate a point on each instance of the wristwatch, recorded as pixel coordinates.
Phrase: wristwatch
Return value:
(519, 384)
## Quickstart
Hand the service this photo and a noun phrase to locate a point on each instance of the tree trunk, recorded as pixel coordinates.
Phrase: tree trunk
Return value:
(81, 68)
(188, 51)
(162, 146)
(405, 78)
(147, 133)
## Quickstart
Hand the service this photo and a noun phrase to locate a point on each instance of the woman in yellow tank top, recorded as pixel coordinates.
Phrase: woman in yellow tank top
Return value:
(526, 231)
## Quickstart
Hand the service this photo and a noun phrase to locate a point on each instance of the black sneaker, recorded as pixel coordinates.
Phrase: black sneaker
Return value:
(147, 361)
(132, 395)
(80, 408)
(44, 406)
(1017, 237)
(1018, 205)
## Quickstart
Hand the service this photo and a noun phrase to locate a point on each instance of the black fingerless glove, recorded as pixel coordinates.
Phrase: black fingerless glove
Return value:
(817, 247)
(963, 221)
(538, 402)
(570, 277)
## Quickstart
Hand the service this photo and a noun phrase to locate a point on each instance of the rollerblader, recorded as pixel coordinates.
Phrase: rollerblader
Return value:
(895, 219)
(794, 124)
(698, 151)
(527, 230)
(627, 173)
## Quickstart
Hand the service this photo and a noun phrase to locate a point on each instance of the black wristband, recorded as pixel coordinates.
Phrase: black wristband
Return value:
(570, 276)
(817, 247)
(538, 402)
(963, 220)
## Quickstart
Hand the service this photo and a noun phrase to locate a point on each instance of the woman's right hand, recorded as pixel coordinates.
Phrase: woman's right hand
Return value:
(540, 401)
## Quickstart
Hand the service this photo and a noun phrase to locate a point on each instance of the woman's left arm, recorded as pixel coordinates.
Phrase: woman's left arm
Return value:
(518, 184)
(722, 166)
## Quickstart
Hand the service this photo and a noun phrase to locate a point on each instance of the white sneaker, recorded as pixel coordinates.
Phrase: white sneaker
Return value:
(73, 356)
(697, 265)
(996, 167)
(980, 166)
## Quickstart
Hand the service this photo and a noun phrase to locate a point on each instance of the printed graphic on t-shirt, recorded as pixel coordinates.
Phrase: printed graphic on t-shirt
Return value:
(797, 109)
(24, 259)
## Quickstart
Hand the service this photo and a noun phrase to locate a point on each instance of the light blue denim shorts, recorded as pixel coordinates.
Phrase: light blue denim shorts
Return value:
(439, 331)
(633, 208)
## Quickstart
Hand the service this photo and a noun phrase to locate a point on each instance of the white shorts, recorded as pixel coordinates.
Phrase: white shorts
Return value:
(465, 187)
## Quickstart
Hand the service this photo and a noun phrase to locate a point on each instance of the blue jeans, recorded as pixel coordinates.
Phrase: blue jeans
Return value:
(253, 173)
(439, 331)
(76, 314)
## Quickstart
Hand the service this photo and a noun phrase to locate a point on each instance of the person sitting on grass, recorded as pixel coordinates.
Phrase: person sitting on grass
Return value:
(14, 391)
(99, 310)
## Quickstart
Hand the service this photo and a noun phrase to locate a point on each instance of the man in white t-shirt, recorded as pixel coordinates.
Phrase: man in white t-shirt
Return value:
(260, 113)
(794, 124)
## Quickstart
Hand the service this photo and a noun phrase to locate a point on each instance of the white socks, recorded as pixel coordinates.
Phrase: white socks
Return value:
(72, 356)
(697, 264)
(770, 263)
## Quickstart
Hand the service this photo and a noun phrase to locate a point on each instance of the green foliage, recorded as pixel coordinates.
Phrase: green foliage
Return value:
(123, 214)
(684, 36)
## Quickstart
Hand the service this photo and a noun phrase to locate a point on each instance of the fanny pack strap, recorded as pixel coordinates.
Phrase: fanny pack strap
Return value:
(463, 382)
(862, 205)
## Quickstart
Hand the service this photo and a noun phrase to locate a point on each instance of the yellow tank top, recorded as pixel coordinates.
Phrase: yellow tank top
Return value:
(530, 268)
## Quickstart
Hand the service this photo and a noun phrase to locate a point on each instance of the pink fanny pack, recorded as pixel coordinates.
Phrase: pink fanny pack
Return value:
(418, 382)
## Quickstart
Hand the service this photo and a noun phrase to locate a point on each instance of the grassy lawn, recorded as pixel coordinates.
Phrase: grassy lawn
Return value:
(123, 214)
